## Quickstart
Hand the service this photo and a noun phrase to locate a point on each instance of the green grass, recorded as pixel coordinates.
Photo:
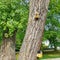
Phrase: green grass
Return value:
(50, 55)
(47, 55)
(17, 56)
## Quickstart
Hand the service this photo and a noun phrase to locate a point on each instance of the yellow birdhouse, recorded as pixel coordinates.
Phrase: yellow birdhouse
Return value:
(39, 55)
(37, 16)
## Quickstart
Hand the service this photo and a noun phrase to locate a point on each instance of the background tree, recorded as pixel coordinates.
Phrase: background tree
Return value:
(53, 23)
(13, 18)
(9, 24)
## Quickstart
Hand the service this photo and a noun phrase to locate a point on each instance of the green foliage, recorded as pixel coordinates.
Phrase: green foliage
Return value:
(51, 36)
(8, 15)
(11, 15)
(52, 25)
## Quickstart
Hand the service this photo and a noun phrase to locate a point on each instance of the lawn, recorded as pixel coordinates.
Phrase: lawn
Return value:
(46, 55)
(55, 54)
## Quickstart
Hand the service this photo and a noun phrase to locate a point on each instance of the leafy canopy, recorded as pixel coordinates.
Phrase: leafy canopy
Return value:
(11, 15)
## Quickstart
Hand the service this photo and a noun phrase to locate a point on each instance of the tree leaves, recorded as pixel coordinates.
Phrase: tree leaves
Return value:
(13, 15)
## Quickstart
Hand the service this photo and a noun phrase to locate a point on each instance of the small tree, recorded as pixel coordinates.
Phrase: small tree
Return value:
(9, 23)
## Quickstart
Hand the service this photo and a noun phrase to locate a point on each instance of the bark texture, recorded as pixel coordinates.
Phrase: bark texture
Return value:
(34, 32)
(7, 51)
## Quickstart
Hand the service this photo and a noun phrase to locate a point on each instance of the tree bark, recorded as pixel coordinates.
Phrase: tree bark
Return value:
(7, 51)
(32, 41)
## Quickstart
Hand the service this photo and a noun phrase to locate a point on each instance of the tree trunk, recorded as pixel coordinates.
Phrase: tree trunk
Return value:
(32, 40)
(7, 51)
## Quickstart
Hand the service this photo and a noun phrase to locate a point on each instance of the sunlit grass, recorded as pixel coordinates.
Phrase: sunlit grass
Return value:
(50, 55)
(46, 56)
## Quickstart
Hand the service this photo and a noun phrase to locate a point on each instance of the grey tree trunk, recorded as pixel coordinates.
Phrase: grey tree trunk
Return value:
(7, 51)
(34, 32)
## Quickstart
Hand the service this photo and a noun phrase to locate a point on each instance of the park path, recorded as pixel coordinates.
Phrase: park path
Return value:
(52, 59)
